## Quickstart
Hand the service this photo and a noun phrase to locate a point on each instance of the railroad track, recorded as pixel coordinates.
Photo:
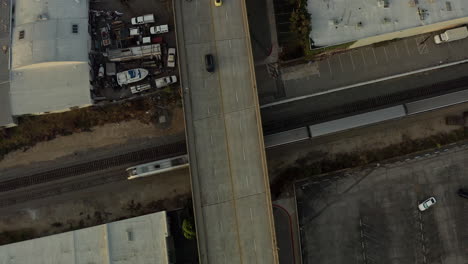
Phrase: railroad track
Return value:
(365, 106)
(146, 155)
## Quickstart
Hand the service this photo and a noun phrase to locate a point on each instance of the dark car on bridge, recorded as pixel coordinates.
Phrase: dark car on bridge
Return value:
(463, 193)
(209, 63)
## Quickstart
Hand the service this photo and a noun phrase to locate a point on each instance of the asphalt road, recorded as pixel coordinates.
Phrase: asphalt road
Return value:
(335, 105)
(232, 205)
(371, 216)
(366, 64)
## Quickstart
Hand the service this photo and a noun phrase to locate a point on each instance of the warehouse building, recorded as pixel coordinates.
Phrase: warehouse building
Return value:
(6, 119)
(366, 22)
(48, 57)
(137, 240)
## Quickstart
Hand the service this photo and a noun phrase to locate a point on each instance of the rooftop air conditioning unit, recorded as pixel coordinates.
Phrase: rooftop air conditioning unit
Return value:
(383, 3)
(42, 17)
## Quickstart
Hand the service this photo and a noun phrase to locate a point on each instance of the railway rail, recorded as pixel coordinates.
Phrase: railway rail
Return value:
(146, 155)
(367, 105)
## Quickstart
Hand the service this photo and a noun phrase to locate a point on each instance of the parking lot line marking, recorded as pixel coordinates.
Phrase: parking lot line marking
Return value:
(363, 59)
(375, 57)
(329, 66)
(386, 54)
(352, 61)
(396, 51)
(341, 64)
(406, 45)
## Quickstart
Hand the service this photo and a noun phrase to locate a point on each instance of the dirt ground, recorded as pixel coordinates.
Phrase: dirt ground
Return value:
(97, 205)
(102, 136)
(366, 138)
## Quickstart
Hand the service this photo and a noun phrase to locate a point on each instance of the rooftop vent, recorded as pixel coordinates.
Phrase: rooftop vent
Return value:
(75, 28)
(21, 34)
(383, 3)
(448, 6)
(42, 17)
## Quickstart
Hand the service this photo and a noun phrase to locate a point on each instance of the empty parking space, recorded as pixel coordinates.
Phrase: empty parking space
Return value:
(374, 62)
(371, 216)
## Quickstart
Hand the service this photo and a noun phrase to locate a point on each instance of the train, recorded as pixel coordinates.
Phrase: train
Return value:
(364, 119)
(156, 167)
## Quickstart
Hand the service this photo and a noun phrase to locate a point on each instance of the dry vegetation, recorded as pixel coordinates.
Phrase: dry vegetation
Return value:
(310, 165)
(34, 129)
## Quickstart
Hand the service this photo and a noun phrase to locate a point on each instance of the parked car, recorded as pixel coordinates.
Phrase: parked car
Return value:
(131, 76)
(145, 19)
(209, 63)
(171, 53)
(426, 204)
(165, 81)
(218, 2)
(159, 29)
(463, 193)
(134, 31)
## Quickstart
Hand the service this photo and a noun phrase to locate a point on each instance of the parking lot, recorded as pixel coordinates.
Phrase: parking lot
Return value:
(117, 42)
(370, 63)
(371, 215)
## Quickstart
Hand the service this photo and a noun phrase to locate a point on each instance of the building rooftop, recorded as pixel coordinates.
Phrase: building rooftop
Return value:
(49, 67)
(5, 109)
(338, 21)
(135, 240)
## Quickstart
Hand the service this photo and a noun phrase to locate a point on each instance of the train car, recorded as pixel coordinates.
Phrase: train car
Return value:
(355, 121)
(286, 137)
(437, 102)
(159, 166)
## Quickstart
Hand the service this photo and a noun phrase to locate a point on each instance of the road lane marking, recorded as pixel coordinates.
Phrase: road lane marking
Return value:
(375, 57)
(341, 64)
(396, 50)
(352, 60)
(363, 59)
(385, 51)
(227, 17)
(407, 48)
(237, 97)
(329, 66)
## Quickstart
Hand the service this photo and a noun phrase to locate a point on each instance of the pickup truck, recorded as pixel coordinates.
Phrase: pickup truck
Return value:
(165, 81)
(159, 29)
(145, 19)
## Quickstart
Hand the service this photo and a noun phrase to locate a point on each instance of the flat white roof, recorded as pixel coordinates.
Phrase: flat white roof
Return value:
(339, 21)
(139, 240)
(50, 62)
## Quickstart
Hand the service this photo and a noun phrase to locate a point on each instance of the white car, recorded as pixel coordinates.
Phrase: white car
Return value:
(143, 19)
(171, 57)
(159, 29)
(426, 204)
(165, 81)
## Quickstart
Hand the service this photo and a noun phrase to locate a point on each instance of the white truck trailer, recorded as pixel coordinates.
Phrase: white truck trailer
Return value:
(451, 35)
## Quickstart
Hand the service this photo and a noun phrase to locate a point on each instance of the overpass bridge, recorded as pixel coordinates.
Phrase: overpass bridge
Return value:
(231, 194)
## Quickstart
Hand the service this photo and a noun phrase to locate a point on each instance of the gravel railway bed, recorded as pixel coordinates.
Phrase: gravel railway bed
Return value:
(142, 156)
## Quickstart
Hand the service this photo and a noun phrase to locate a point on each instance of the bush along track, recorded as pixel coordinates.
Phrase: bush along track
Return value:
(310, 166)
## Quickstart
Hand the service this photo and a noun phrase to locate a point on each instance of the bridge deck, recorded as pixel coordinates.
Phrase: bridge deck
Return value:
(228, 169)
